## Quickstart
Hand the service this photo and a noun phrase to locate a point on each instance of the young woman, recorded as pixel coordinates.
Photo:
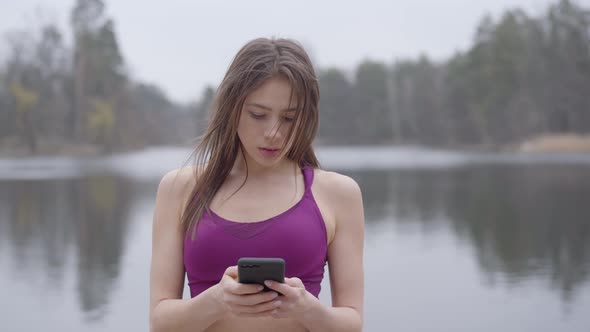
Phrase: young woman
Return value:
(256, 190)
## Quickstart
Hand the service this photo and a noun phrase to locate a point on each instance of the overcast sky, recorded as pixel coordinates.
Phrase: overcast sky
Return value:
(184, 45)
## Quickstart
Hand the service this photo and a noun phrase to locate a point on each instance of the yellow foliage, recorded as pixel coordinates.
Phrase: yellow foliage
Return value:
(102, 118)
(103, 193)
(557, 143)
(25, 99)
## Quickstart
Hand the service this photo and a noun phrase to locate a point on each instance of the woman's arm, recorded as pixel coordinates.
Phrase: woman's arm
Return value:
(345, 256)
(168, 311)
(345, 261)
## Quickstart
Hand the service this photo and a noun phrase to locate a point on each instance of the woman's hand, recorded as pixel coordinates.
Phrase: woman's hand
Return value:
(244, 300)
(295, 299)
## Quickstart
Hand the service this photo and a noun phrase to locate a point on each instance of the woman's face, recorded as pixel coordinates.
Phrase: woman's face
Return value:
(265, 121)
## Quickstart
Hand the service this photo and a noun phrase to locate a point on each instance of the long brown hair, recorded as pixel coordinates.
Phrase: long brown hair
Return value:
(216, 152)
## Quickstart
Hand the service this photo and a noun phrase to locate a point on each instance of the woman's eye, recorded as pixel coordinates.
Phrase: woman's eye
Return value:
(262, 116)
(257, 116)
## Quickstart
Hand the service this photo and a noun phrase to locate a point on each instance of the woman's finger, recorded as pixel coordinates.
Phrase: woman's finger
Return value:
(295, 282)
(232, 271)
(244, 289)
(251, 299)
(284, 289)
(259, 308)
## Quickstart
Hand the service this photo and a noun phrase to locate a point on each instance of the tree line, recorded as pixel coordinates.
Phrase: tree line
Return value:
(54, 93)
(523, 76)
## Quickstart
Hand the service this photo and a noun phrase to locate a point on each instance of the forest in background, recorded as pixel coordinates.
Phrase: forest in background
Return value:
(522, 77)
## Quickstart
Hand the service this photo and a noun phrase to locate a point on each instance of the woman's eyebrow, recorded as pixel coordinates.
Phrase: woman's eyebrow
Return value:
(266, 108)
(259, 106)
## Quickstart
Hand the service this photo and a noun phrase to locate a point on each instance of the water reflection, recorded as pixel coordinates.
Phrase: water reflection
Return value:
(48, 220)
(525, 223)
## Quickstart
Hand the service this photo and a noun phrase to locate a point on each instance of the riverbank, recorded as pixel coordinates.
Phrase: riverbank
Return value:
(48, 149)
(556, 144)
(566, 143)
(13, 148)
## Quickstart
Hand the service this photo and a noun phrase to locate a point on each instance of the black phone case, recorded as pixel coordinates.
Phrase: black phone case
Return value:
(253, 270)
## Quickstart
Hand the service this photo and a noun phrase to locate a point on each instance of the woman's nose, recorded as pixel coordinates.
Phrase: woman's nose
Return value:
(274, 129)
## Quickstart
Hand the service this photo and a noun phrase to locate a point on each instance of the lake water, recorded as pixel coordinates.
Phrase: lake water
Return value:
(454, 241)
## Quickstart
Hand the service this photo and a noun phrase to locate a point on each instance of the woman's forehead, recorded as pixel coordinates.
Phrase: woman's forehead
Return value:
(274, 94)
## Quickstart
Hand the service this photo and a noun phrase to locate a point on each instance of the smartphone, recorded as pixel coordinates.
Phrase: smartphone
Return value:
(252, 270)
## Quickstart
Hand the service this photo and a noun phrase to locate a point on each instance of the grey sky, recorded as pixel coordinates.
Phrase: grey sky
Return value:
(184, 45)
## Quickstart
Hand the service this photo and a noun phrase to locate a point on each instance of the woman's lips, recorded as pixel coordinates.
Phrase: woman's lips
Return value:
(269, 153)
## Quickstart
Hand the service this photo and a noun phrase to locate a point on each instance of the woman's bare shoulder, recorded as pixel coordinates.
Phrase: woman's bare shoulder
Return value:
(335, 183)
(178, 183)
(341, 195)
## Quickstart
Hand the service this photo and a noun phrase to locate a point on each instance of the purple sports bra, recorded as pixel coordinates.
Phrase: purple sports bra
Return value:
(297, 235)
